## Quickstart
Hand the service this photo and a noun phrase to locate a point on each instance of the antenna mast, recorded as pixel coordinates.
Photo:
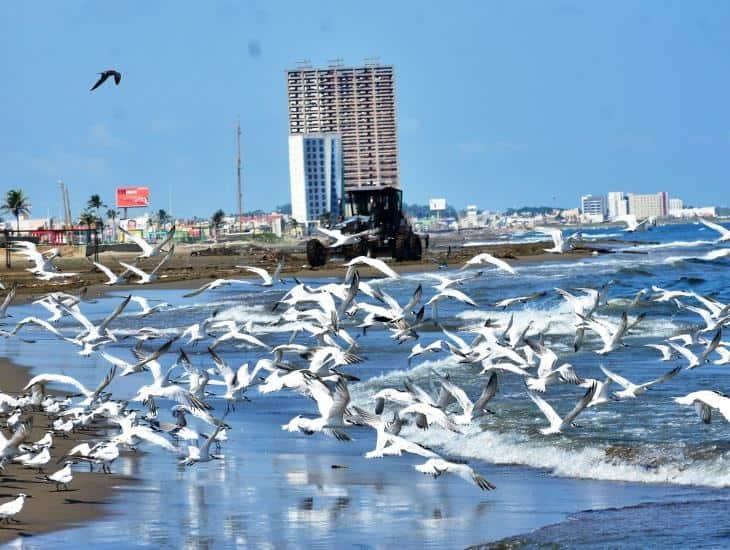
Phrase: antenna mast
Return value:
(239, 195)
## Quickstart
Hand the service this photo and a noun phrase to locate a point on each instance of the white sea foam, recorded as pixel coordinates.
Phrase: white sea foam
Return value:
(673, 244)
(589, 462)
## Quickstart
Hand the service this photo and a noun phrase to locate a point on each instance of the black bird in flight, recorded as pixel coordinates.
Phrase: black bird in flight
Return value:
(106, 74)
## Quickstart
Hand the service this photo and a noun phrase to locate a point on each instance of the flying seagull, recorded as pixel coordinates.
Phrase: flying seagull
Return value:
(105, 75)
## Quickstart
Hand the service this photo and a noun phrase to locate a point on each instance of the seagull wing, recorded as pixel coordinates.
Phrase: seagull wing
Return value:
(48, 378)
(102, 78)
(582, 404)
(546, 409)
(620, 380)
(460, 395)
(106, 271)
(490, 390)
(724, 233)
(663, 378)
(148, 435)
(202, 289)
(114, 314)
(134, 269)
(8, 298)
(267, 280)
(380, 265)
(141, 243)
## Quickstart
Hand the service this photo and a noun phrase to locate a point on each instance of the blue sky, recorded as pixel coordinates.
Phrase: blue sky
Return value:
(499, 103)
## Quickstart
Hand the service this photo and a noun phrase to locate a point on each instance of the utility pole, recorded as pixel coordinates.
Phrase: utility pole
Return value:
(238, 175)
(66, 204)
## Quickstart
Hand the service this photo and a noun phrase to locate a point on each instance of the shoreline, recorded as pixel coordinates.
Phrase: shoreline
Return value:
(185, 271)
(48, 510)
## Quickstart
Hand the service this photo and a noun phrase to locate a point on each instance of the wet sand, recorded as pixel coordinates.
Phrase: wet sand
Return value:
(190, 271)
(48, 509)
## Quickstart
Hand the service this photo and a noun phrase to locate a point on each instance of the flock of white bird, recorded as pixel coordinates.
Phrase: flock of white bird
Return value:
(322, 319)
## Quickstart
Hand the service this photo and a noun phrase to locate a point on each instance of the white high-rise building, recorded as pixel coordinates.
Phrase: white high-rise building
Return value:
(358, 103)
(593, 205)
(315, 176)
(649, 206)
(617, 205)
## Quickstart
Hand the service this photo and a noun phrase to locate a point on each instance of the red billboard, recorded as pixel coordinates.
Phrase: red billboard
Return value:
(133, 197)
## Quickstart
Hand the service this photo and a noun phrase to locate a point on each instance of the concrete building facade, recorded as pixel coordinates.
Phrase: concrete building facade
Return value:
(593, 206)
(617, 204)
(649, 206)
(676, 204)
(315, 176)
(358, 103)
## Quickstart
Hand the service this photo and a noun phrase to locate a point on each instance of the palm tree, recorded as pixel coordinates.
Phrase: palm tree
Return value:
(96, 203)
(88, 219)
(217, 220)
(112, 215)
(162, 218)
(16, 203)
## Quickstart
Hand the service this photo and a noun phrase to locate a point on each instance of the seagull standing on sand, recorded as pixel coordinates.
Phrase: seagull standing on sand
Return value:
(9, 510)
(64, 476)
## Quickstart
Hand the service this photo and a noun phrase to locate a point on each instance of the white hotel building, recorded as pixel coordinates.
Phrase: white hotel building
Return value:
(315, 176)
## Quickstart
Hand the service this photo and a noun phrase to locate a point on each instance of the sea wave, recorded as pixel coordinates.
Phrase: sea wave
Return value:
(673, 244)
(590, 462)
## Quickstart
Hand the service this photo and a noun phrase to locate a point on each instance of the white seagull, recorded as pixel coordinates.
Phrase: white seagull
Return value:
(631, 390)
(8, 510)
(438, 466)
(704, 401)
(148, 250)
(558, 424)
(380, 265)
(484, 258)
(267, 280)
(723, 231)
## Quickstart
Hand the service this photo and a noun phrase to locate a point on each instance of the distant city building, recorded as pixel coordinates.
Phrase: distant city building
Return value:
(470, 218)
(358, 103)
(617, 205)
(315, 176)
(593, 206)
(676, 204)
(649, 206)
(701, 212)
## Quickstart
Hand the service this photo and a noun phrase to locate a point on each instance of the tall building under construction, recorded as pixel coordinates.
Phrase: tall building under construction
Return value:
(358, 105)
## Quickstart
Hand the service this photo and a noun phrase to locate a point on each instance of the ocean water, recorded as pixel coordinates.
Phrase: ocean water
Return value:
(612, 482)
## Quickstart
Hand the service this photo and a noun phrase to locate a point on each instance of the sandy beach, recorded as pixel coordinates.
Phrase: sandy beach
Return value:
(189, 269)
(48, 509)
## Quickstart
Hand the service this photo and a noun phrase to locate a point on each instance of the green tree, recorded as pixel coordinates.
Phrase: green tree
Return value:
(17, 204)
(216, 220)
(112, 216)
(88, 218)
(162, 218)
(96, 203)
